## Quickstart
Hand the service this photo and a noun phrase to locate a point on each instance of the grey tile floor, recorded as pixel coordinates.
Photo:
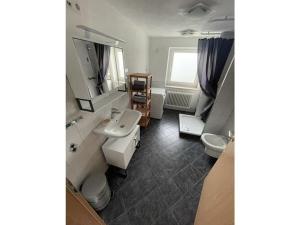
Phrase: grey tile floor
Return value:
(164, 178)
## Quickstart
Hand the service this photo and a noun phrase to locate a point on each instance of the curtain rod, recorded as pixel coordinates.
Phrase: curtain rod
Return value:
(85, 28)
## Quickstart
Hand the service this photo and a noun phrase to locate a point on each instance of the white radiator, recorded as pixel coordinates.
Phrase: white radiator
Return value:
(178, 100)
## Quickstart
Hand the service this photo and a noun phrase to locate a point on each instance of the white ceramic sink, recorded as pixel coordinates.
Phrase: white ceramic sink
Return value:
(120, 126)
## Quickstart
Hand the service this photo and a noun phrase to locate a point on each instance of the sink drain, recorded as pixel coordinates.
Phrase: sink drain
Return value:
(122, 126)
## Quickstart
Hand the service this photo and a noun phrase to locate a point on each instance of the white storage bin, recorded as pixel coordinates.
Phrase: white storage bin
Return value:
(158, 96)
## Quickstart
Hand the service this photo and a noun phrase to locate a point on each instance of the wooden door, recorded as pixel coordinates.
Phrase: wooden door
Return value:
(79, 212)
(216, 206)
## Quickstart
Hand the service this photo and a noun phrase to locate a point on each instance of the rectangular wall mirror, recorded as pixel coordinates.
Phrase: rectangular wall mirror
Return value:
(102, 67)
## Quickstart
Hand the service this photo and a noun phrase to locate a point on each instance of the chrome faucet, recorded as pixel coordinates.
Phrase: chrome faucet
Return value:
(73, 122)
(114, 111)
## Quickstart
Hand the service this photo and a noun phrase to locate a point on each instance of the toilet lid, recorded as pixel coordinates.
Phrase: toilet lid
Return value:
(93, 186)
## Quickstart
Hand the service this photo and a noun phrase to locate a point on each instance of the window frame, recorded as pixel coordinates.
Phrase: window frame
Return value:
(114, 68)
(172, 51)
(121, 79)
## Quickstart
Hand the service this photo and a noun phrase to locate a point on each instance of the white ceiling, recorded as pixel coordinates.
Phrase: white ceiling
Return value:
(161, 18)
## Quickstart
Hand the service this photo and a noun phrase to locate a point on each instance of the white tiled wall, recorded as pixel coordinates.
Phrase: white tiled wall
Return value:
(229, 125)
(88, 156)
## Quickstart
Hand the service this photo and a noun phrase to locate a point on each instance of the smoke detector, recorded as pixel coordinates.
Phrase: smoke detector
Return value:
(189, 32)
(197, 10)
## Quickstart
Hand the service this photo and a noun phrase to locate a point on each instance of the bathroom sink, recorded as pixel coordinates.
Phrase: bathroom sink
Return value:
(121, 126)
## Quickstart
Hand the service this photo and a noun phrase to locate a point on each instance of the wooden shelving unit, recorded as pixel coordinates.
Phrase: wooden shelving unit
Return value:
(145, 106)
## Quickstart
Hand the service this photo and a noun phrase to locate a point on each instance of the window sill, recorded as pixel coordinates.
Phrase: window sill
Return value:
(183, 88)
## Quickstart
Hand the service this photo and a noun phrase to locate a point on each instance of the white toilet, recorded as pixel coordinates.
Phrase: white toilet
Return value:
(214, 144)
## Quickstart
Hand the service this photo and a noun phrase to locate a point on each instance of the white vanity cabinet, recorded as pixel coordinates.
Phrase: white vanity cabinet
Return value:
(118, 151)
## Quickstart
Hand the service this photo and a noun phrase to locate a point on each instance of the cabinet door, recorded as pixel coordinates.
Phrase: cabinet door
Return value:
(79, 212)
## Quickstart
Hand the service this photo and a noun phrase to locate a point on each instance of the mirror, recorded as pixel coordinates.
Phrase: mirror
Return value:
(102, 67)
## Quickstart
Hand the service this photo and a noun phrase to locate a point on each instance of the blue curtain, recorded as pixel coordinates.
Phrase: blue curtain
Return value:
(103, 53)
(212, 56)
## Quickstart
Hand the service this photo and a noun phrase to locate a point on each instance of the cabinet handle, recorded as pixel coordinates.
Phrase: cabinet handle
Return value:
(136, 142)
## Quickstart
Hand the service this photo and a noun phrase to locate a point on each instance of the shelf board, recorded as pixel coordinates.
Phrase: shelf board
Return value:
(140, 75)
(141, 91)
(141, 103)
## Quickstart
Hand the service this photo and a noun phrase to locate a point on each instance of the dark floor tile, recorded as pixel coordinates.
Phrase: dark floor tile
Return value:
(197, 188)
(166, 219)
(206, 161)
(147, 210)
(171, 192)
(193, 153)
(138, 168)
(148, 139)
(178, 162)
(186, 144)
(201, 166)
(170, 150)
(164, 142)
(185, 210)
(114, 208)
(186, 178)
(121, 220)
(161, 167)
(134, 191)
(115, 181)
(147, 149)
(164, 177)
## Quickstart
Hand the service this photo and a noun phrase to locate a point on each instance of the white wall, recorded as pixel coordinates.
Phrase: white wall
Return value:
(229, 124)
(158, 60)
(158, 55)
(99, 15)
(71, 105)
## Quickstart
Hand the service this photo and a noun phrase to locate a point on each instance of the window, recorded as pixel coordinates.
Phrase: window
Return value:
(115, 75)
(120, 64)
(112, 74)
(182, 67)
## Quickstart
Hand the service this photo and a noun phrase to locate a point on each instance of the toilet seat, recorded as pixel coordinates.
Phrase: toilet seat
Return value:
(214, 144)
(214, 141)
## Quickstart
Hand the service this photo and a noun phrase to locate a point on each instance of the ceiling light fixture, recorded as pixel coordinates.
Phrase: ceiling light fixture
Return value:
(196, 10)
(189, 32)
